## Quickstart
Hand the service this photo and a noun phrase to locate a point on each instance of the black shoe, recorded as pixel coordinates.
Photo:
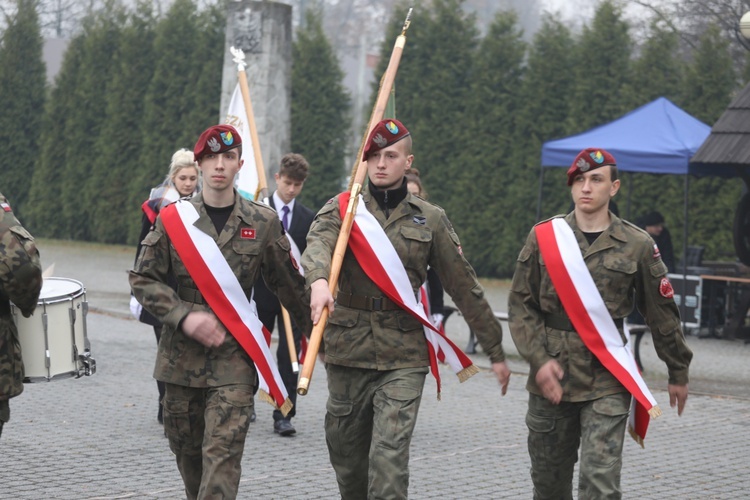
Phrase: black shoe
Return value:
(283, 428)
(253, 416)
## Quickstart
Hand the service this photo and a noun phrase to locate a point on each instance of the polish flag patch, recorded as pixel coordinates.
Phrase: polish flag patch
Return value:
(294, 261)
(247, 233)
(657, 253)
(665, 288)
(6, 207)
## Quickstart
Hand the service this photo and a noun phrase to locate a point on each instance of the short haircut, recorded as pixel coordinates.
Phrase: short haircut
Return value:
(294, 166)
(613, 169)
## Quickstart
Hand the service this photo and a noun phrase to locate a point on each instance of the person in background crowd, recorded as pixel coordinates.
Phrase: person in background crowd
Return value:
(376, 353)
(20, 283)
(653, 223)
(217, 245)
(296, 219)
(183, 180)
(574, 400)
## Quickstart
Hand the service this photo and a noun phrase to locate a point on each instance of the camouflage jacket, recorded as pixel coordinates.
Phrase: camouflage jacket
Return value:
(182, 360)
(20, 283)
(622, 260)
(384, 340)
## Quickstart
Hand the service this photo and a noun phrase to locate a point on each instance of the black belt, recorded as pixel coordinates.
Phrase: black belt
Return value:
(563, 322)
(366, 303)
(190, 295)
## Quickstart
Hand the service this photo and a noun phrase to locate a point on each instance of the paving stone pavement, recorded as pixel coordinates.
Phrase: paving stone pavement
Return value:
(97, 437)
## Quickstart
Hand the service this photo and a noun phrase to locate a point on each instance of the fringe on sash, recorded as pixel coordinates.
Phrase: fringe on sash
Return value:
(638, 439)
(466, 373)
(285, 408)
(655, 412)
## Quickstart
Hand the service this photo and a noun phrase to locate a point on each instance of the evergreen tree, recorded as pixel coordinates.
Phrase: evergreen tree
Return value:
(320, 111)
(120, 140)
(546, 92)
(22, 95)
(708, 87)
(602, 69)
(45, 196)
(170, 99)
(79, 188)
(488, 150)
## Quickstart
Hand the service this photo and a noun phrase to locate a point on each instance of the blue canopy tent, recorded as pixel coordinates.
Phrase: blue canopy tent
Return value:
(657, 138)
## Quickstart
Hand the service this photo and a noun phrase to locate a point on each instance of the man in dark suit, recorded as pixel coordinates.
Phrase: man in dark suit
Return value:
(296, 219)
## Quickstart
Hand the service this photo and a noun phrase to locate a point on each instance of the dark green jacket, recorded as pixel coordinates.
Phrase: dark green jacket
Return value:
(182, 360)
(621, 260)
(422, 236)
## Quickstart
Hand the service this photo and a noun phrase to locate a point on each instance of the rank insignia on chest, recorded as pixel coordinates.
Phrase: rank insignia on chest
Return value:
(247, 233)
(6, 207)
(418, 219)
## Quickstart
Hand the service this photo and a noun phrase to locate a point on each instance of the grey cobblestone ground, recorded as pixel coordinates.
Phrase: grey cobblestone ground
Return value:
(98, 438)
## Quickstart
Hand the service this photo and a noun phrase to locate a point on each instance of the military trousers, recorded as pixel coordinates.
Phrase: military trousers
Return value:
(370, 418)
(206, 428)
(557, 431)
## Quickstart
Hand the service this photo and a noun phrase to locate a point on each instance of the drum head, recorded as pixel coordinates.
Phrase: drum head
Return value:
(53, 288)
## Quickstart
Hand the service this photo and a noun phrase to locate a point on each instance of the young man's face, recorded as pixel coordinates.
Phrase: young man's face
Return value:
(386, 168)
(219, 169)
(287, 188)
(592, 190)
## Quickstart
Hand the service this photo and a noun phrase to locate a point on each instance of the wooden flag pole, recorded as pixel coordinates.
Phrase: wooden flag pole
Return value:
(261, 193)
(355, 187)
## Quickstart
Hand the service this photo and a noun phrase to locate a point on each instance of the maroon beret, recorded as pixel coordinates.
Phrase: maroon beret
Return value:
(589, 159)
(216, 139)
(385, 133)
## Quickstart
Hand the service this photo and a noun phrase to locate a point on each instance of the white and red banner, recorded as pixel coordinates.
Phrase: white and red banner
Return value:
(379, 260)
(247, 179)
(224, 294)
(587, 312)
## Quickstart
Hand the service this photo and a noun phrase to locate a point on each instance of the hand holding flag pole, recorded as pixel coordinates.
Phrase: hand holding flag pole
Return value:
(261, 193)
(238, 56)
(355, 187)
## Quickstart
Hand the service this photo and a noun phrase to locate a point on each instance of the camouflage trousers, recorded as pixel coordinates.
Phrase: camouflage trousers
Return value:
(206, 428)
(369, 422)
(557, 431)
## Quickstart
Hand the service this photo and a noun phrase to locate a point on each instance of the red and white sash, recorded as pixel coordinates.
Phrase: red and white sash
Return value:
(380, 261)
(587, 312)
(222, 291)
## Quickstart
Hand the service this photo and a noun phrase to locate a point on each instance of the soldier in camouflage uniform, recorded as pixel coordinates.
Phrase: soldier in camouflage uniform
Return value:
(574, 400)
(210, 380)
(376, 354)
(20, 283)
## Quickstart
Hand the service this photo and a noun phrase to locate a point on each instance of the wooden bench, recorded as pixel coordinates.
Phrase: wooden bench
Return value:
(471, 347)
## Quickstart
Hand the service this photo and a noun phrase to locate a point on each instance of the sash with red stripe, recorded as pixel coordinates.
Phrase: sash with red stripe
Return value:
(587, 312)
(381, 263)
(222, 291)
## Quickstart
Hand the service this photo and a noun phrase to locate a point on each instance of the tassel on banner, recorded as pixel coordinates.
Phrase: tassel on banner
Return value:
(654, 412)
(284, 409)
(467, 373)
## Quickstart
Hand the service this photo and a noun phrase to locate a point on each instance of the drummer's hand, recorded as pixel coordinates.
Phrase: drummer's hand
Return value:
(320, 297)
(205, 328)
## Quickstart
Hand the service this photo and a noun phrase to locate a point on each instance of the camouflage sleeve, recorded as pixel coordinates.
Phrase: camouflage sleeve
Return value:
(460, 281)
(20, 266)
(281, 274)
(525, 318)
(321, 240)
(655, 300)
(149, 279)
